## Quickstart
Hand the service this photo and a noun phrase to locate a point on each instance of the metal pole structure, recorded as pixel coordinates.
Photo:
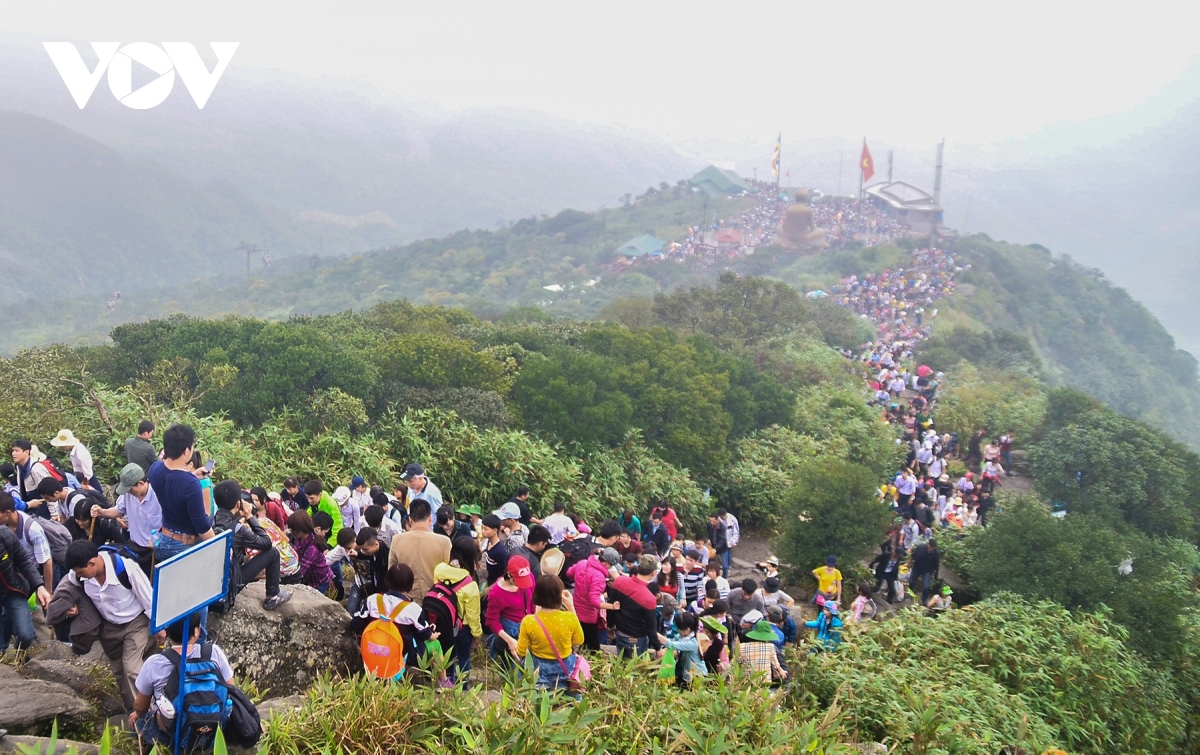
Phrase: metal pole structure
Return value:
(178, 701)
(860, 171)
(937, 174)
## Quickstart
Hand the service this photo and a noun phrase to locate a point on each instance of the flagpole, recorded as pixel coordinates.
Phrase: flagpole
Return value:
(779, 164)
(860, 170)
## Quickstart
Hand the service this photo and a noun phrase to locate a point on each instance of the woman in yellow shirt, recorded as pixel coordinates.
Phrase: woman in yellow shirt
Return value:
(551, 634)
(829, 580)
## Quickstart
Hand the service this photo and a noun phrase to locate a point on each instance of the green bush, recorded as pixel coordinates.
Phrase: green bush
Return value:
(1002, 672)
(624, 710)
(831, 509)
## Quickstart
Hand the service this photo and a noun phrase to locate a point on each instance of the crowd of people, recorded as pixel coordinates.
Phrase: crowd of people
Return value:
(847, 220)
(427, 576)
(705, 245)
(416, 574)
(923, 495)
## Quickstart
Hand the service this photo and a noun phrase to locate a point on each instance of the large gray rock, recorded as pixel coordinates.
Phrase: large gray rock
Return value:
(33, 704)
(98, 686)
(14, 743)
(283, 650)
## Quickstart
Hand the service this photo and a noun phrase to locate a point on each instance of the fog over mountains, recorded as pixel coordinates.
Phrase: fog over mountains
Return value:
(117, 199)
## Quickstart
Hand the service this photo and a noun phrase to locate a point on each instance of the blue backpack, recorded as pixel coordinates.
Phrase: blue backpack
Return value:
(119, 554)
(204, 702)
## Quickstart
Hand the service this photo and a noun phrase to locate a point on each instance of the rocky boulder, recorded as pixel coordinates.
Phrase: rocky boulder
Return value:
(96, 685)
(283, 650)
(31, 705)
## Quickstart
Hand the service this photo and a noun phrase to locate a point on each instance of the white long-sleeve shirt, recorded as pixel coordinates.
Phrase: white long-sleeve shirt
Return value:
(81, 462)
(116, 603)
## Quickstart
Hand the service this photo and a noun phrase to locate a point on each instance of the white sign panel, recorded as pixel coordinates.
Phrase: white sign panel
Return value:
(190, 581)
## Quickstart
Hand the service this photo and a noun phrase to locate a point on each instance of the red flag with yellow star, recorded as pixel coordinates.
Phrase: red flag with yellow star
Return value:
(866, 163)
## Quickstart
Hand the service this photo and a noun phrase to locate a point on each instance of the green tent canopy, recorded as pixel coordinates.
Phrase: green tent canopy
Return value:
(718, 182)
(640, 246)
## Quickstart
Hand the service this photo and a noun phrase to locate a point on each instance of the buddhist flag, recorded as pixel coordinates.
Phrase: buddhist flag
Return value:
(775, 157)
(866, 163)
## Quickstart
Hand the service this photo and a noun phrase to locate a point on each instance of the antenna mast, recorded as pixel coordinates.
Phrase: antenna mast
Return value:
(937, 174)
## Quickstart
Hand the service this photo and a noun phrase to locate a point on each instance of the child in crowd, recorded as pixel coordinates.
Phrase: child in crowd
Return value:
(411, 621)
(339, 555)
(688, 662)
(863, 606)
(314, 569)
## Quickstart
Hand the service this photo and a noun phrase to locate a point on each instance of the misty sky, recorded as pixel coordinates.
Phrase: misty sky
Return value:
(907, 73)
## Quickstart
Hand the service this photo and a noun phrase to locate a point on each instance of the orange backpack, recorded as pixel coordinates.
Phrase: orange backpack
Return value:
(382, 644)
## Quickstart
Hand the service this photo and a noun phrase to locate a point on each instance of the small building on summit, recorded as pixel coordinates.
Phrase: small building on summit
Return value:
(719, 182)
(912, 205)
(640, 246)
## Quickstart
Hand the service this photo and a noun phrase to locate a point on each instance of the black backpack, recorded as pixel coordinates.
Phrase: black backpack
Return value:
(573, 552)
(244, 727)
(441, 606)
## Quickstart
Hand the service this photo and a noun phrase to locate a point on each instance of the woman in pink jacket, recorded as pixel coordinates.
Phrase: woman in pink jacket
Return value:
(591, 580)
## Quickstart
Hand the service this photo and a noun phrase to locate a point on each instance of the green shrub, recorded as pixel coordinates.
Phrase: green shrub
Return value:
(997, 673)
(624, 710)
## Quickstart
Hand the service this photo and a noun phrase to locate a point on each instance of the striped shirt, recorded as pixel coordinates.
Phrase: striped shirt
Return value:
(693, 583)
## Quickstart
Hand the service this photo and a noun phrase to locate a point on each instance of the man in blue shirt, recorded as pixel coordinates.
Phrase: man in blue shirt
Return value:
(185, 519)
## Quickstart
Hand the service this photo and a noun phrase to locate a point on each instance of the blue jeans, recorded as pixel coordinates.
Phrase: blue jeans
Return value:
(15, 618)
(551, 674)
(628, 647)
(462, 653)
(925, 579)
(726, 562)
(498, 648)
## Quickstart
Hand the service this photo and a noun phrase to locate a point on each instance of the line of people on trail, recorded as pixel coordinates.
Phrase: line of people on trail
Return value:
(922, 494)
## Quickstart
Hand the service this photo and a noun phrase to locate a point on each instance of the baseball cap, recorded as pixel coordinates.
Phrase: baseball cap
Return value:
(774, 614)
(647, 565)
(947, 591)
(356, 481)
(412, 470)
(753, 616)
(131, 474)
(341, 495)
(832, 606)
(610, 556)
(519, 572)
(831, 561)
(509, 510)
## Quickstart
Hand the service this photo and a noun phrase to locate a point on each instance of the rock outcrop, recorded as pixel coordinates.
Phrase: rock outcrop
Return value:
(31, 705)
(283, 650)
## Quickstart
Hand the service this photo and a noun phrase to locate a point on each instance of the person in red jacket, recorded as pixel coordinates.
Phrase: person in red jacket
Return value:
(634, 609)
(591, 580)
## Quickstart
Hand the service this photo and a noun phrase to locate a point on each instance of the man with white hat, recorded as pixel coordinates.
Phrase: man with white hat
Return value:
(81, 458)
(516, 534)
